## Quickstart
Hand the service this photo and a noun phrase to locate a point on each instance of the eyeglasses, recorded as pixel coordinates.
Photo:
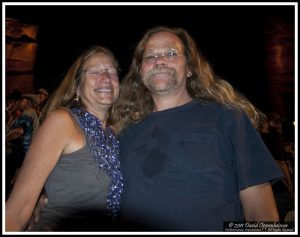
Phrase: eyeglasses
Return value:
(170, 55)
(97, 72)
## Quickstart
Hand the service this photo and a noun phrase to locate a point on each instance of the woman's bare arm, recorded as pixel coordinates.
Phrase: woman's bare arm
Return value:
(45, 150)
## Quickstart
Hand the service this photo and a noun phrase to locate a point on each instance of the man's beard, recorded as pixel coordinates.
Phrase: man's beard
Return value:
(170, 80)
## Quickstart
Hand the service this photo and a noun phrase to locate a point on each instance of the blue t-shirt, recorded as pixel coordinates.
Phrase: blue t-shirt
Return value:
(184, 167)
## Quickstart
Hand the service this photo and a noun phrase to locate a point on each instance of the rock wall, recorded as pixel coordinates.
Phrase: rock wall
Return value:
(20, 54)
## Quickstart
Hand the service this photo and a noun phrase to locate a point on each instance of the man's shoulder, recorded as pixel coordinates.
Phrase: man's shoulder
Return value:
(213, 106)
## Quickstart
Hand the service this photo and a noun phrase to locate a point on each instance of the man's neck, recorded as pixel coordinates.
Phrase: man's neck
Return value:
(163, 102)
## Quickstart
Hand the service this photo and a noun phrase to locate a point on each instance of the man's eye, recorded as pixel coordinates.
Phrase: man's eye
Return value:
(171, 53)
(150, 57)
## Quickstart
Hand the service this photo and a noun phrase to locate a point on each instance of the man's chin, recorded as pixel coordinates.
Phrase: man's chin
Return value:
(161, 90)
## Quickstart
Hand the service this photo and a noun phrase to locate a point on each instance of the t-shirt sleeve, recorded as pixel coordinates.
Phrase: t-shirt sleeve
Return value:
(254, 163)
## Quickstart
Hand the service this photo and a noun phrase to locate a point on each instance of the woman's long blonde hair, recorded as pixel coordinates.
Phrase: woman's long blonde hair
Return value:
(135, 101)
(65, 94)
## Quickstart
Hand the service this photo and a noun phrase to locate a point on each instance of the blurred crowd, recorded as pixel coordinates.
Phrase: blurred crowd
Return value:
(22, 112)
(283, 150)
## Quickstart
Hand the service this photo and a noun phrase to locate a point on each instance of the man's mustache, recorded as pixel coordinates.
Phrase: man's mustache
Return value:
(165, 70)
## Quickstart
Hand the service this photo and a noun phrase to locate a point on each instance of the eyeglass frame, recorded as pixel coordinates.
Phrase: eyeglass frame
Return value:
(154, 56)
(102, 71)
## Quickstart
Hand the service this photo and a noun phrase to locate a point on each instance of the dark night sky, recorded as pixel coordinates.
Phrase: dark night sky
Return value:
(231, 37)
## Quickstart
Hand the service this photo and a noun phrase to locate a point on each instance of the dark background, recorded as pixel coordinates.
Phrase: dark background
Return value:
(233, 38)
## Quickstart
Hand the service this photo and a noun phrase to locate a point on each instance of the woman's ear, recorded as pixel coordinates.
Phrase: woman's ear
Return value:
(77, 91)
(189, 73)
(77, 94)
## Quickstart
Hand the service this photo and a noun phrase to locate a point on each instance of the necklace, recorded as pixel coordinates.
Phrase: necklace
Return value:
(105, 149)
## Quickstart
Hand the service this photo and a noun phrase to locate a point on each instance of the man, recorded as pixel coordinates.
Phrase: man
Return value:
(190, 157)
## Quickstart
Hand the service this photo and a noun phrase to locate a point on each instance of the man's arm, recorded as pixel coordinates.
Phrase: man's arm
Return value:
(259, 203)
(42, 202)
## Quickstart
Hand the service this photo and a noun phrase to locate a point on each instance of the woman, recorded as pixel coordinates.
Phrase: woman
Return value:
(74, 155)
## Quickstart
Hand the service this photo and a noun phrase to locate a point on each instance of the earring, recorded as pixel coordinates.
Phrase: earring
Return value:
(77, 98)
